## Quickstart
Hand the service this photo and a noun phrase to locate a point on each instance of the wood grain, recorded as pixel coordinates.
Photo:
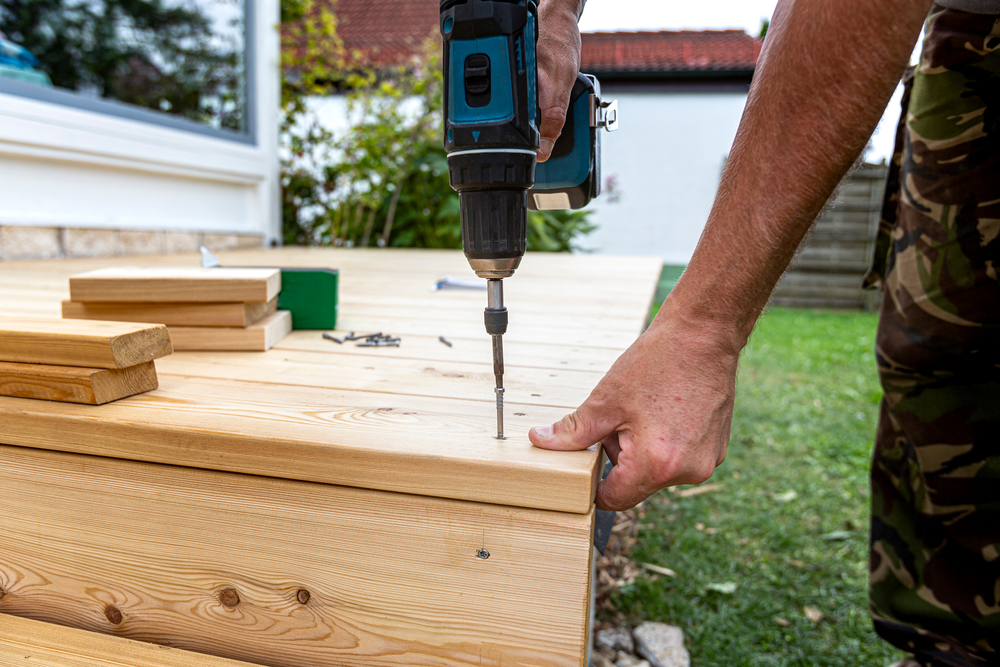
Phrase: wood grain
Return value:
(69, 384)
(560, 388)
(214, 563)
(378, 418)
(173, 314)
(436, 447)
(28, 642)
(258, 337)
(83, 343)
(175, 285)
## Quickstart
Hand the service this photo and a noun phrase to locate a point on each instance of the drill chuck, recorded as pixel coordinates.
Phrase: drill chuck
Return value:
(492, 187)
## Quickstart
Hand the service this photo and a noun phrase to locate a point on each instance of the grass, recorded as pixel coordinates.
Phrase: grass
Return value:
(788, 525)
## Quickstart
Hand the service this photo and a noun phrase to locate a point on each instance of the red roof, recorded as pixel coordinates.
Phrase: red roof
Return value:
(683, 51)
(386, 32)
(390, 32)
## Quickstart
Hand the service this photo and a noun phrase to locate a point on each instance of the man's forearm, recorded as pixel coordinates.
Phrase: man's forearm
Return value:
(574, 7)
(823, 79)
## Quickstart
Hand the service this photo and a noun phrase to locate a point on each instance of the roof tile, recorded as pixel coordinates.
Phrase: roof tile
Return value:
(390, 32)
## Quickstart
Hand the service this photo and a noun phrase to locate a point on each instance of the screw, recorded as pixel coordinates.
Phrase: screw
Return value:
(444, 340)
(303, 596)
(113, 614)
(229, 597)
(335, 340)
(483, 553)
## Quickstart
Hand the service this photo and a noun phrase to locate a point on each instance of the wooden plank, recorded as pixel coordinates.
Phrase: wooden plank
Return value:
(175, 285)
(517, 354)
(436, 447)
(258, 337)
(222, 564)
(560, 388)
(28, 642)
(173, 314)
(83, 343)
(69, 384)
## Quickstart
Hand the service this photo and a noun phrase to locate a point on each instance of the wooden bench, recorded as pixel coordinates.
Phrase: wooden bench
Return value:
(324, 504)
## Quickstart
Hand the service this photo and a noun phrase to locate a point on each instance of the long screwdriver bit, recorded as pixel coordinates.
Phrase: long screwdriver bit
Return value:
(496, 326)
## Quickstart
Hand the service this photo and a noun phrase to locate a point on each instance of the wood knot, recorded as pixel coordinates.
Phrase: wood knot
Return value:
(229, 597)
(303, 596)
(113, 614)
(2, 593)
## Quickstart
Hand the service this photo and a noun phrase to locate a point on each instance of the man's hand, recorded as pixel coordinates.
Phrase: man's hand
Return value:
(558, 64)
(663, 411)
(823, 79)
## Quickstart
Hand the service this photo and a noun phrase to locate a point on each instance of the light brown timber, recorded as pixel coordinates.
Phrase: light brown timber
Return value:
(258, 337)
(444, 448)
(213, 562)
(84, 343)
(28, 642)
(69, 384)
(173, 314)
(175, 284)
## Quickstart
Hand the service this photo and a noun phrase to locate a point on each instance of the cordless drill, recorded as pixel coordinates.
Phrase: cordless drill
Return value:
(491, 133)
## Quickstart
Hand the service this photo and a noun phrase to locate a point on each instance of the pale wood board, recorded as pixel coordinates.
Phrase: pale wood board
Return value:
(381, 419)
(392, 579)
(28, 642)
(427, 446)
(83, 343)
(558, 388)
(258, 337)
(69, 384)
(173, 314)
(175, 284)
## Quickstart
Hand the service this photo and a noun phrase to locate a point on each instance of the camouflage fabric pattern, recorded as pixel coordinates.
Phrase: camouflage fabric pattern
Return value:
(935, 536)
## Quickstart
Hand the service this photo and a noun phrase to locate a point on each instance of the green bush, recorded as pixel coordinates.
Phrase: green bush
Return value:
(385, 182)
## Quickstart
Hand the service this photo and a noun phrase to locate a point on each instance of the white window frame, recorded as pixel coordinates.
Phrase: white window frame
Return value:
(65, 128)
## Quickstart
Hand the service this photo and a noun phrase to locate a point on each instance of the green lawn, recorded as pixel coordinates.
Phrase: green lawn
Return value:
(788, 525)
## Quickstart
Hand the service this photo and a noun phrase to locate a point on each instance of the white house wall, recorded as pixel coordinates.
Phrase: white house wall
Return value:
(666, 157)
(68, 168)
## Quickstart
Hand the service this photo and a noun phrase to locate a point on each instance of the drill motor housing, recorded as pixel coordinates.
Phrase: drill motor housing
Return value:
(491, 131)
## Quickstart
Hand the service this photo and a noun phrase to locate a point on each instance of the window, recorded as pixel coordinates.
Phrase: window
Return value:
(180, 63)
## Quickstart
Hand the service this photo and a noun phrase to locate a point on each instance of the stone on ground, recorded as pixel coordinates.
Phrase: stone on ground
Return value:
(661, 644)
(619, 639)
(629, 660)
(598, 660)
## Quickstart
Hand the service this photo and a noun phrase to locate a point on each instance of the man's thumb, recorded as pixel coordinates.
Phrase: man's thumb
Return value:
(577, 430)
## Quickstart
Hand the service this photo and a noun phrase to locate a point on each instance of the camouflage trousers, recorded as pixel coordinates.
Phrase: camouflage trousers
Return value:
(935, 534)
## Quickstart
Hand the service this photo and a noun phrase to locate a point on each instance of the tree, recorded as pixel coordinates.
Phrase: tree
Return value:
(143, 52)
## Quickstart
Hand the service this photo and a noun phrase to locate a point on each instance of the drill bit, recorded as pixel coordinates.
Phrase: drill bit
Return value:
(496, 324)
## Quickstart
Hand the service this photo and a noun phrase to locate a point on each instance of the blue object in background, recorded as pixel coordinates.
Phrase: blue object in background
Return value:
(17, 62)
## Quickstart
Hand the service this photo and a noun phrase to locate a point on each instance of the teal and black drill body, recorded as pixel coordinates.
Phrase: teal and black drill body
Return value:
(491, 133)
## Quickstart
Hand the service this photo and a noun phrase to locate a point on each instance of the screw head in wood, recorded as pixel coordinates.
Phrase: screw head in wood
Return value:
(303, 596)
(113, 614)
(483, 553)
(229, 597)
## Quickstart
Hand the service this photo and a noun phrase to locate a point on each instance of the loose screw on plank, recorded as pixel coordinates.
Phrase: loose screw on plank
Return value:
(483, 553)
(444, 340)
(378, 340)
(335, 340)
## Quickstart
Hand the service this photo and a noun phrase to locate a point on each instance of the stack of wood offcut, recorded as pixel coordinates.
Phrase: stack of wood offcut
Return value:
(232, 309)
(76, 361)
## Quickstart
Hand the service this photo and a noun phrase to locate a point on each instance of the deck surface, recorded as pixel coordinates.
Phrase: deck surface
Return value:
(415, 419)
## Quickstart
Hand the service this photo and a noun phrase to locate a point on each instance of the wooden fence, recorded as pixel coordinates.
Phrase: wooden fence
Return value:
(835, 256)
